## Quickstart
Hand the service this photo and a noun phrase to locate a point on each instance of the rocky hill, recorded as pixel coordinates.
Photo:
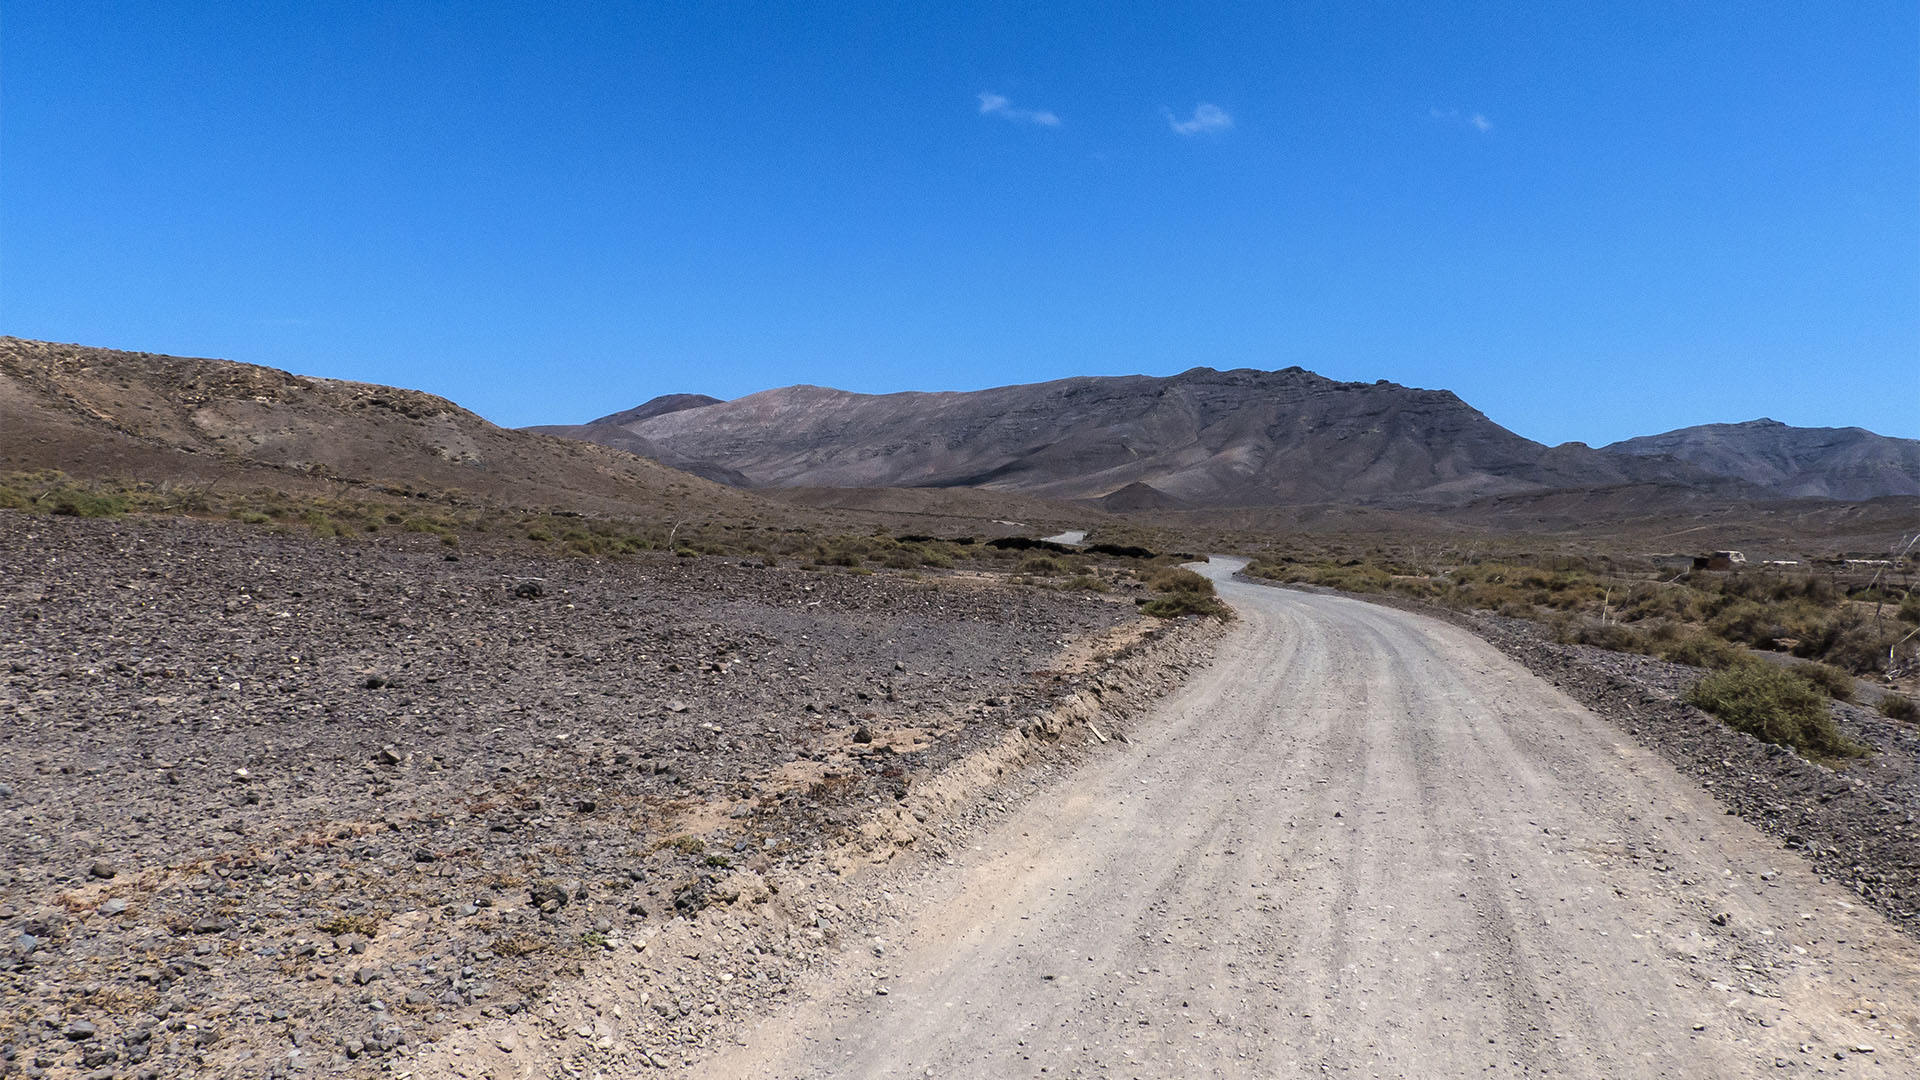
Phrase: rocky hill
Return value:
(1823, 463)
(124, 415)
(615, 431)
(1200, 439)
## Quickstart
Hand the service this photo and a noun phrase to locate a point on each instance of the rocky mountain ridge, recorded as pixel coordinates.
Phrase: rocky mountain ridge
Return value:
(1227, 439)
(1200, 439)
(1822, 463)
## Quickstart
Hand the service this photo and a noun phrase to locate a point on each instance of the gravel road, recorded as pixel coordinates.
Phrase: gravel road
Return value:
(1364, 843)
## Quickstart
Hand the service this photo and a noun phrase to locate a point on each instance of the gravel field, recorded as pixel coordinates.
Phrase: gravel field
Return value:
(271, 804)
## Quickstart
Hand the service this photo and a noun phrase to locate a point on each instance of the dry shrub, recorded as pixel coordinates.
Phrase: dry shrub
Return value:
(1774, 706)
(1900, 707)
(1602, 636)
(1174, 605)
(1835, 683)
(1850, 641)
(1705, 651)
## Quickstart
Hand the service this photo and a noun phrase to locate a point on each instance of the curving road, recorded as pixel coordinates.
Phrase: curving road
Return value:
(1363, 844)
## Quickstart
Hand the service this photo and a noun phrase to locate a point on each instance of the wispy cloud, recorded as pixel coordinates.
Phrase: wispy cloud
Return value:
(1206, 120)
(1476, 121)
(992, 104)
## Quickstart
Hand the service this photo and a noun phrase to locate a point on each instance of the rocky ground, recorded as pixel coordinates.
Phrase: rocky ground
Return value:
(1857, 822)
(271, 804)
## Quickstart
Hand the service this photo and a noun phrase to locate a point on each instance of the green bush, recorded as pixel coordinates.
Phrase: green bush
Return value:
(1183, 592)
(1175, 604)
(1910, 608)
(1177, 579)
(1603, 636)
(1900, 707)
(1085, 583)
(1752, 623)
(1044, 566)
(1835, 683)
(1775, 706)
(1705, 651)
(74, 502)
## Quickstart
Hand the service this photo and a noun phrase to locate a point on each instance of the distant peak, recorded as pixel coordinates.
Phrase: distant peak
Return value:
(660, 406)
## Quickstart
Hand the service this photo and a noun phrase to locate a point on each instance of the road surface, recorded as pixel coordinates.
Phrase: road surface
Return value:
(1363, 844)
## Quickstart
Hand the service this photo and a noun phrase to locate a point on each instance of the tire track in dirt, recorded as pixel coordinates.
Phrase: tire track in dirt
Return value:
(1364, 843)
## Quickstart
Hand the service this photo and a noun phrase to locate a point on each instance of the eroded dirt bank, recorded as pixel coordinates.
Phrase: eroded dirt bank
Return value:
(1364, 843)
(271, 805)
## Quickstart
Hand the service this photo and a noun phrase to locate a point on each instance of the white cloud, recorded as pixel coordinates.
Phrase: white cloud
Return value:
(1206, 119)
(1476, 121)
(992, 104)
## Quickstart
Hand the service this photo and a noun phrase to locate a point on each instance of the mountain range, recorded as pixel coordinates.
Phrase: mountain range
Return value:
(1207, 439)
(1247, 443)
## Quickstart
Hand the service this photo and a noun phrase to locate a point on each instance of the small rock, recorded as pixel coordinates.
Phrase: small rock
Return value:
(586, 806)
(115, 906)
(863, 734)
(1722, 918)
(102, 869)
(675, 706)
(528, 590)
(388, 756)
(210, 926)
(80, 1030)
(365, 975)
(548, 896)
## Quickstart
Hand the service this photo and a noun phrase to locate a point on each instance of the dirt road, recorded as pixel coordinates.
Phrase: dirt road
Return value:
(1364, 844)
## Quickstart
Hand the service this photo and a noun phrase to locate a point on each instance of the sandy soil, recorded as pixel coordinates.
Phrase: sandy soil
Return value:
(1365, 843)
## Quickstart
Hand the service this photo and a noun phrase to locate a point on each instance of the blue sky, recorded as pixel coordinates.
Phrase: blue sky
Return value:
(1590, 221)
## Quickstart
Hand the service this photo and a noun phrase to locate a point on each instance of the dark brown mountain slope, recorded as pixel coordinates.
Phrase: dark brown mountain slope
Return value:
(660, 406)
(615, 431)
(108, 414)
(1823, 463)
(1203, 438)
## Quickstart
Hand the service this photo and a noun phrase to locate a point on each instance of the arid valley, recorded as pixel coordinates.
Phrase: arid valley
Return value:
(348, 734)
